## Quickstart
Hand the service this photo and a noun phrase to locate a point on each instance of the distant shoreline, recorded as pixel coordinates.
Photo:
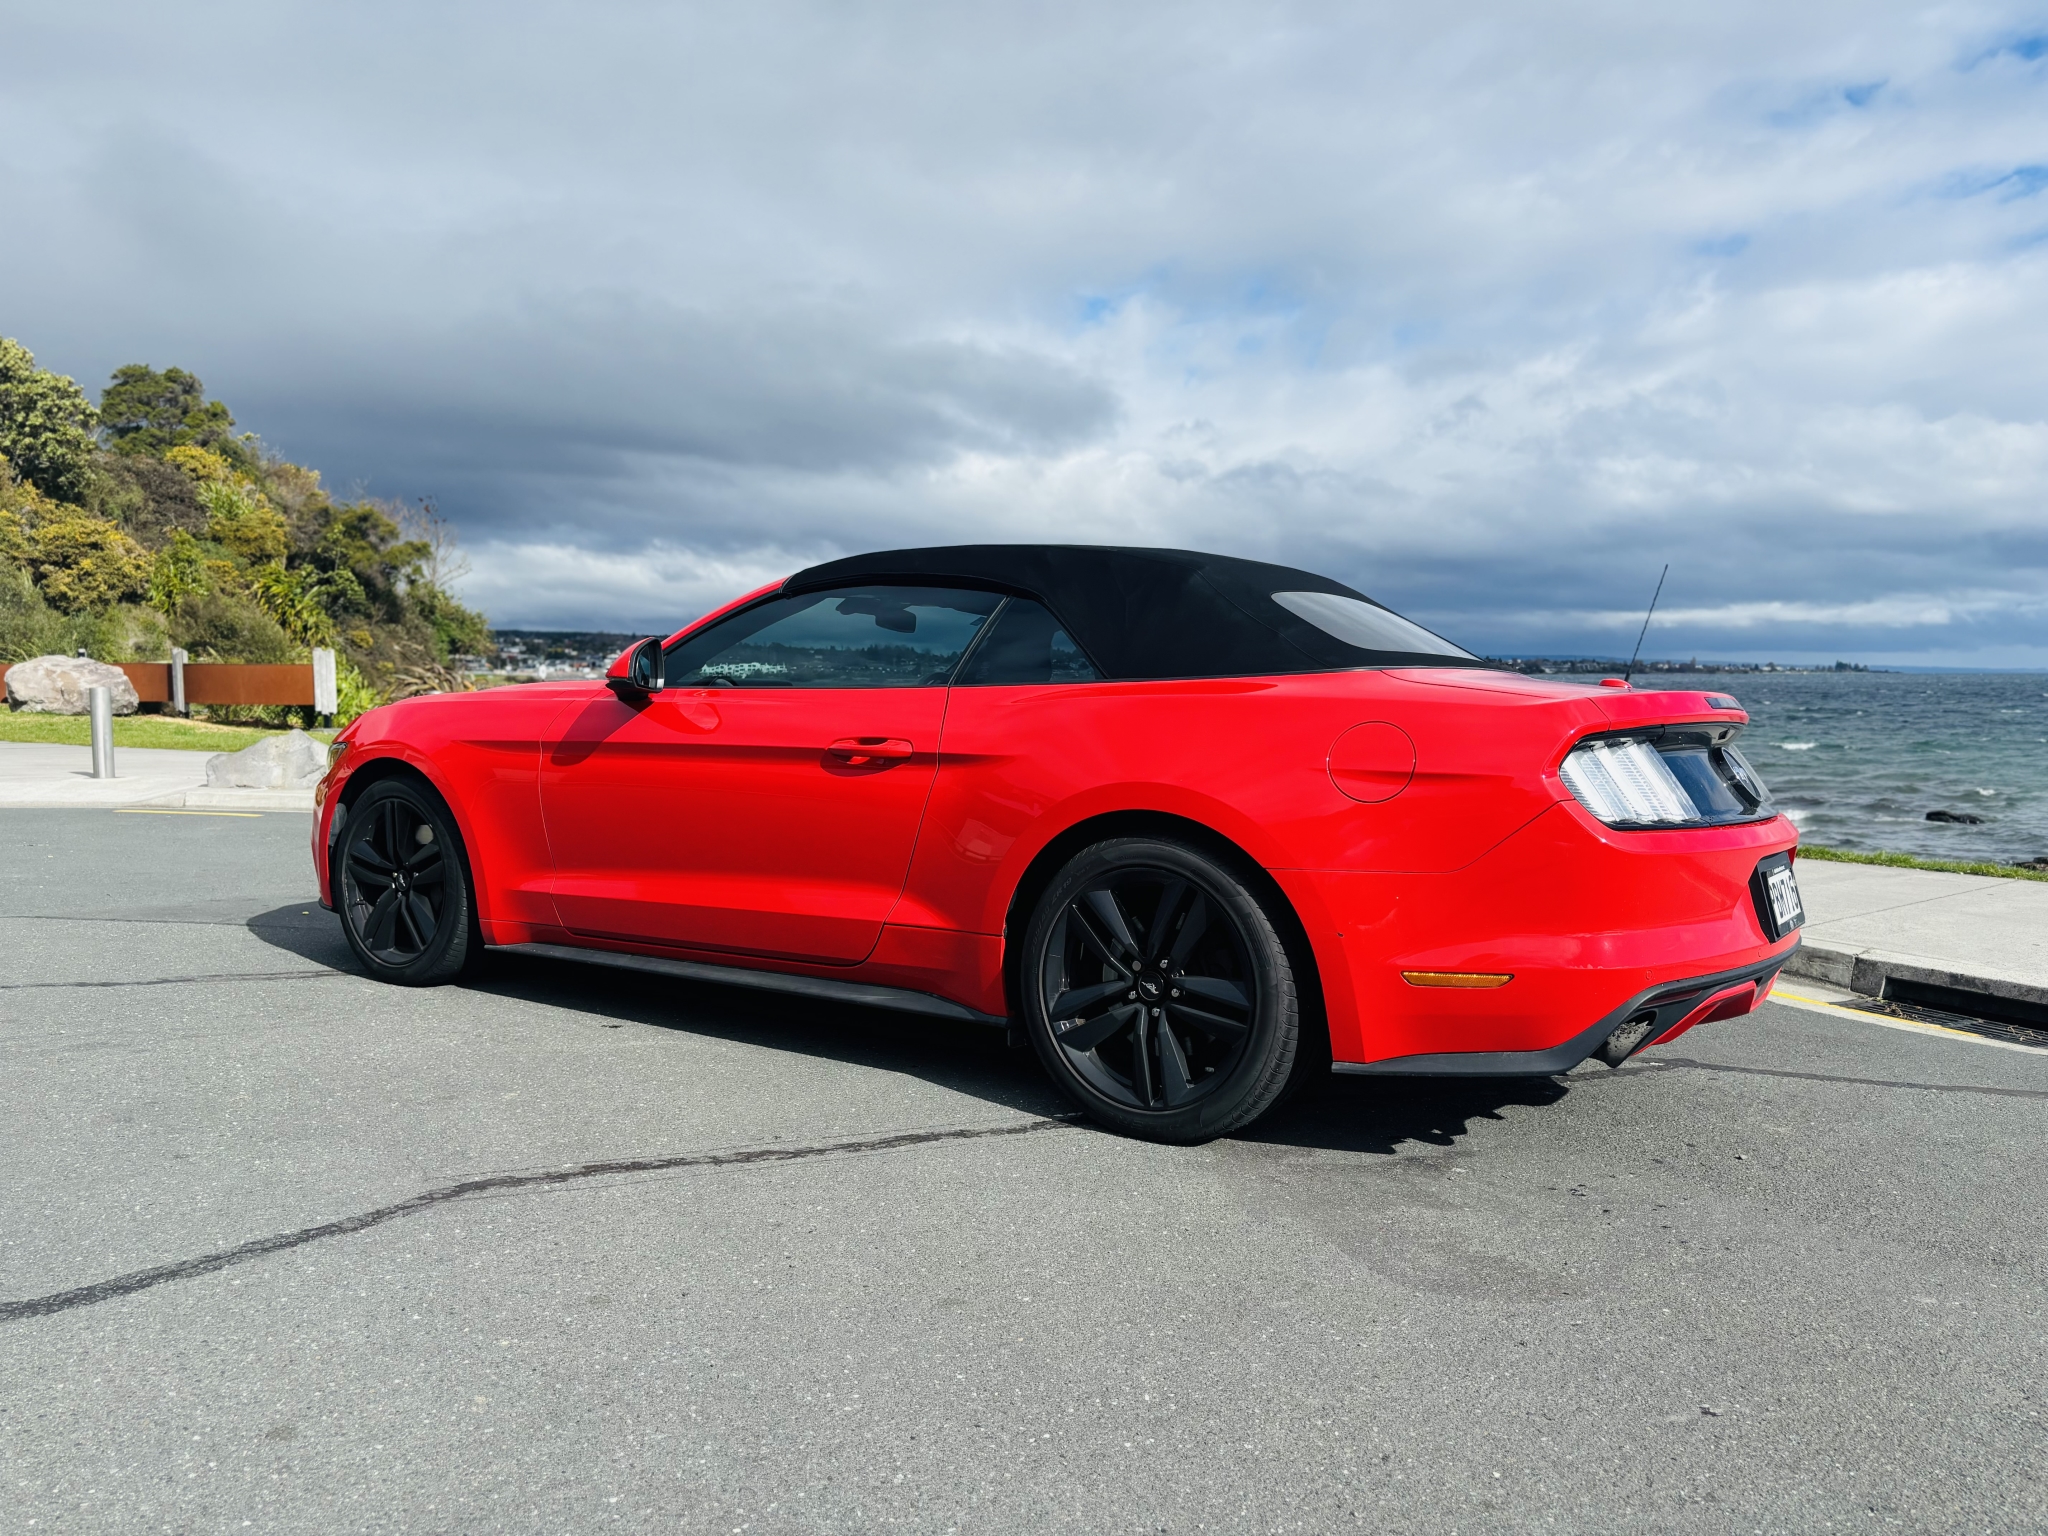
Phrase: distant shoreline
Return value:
(1574, 665)
(1547, 665)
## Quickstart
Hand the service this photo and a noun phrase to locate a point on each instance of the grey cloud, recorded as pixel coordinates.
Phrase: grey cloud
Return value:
(609, 390)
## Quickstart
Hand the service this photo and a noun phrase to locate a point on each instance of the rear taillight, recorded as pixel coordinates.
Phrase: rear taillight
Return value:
(1625, 783)
(1672, 777)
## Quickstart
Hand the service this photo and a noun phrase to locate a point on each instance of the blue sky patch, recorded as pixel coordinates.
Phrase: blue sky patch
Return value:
(2030, 48)
(2010, 185)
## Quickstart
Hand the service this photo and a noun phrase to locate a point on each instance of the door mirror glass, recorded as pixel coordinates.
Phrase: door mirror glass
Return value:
(637, 671)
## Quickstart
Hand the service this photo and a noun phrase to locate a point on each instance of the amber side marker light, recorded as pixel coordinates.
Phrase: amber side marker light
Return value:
(336, 751)
(1456, 978)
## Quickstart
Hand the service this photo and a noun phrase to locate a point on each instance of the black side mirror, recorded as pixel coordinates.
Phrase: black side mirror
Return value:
(637, 672)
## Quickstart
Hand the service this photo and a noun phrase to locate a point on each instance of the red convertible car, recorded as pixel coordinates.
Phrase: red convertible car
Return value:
(1196, 826)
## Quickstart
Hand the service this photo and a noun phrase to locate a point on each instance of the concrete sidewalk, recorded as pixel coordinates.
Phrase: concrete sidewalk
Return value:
(1866, 924)
(46, 775)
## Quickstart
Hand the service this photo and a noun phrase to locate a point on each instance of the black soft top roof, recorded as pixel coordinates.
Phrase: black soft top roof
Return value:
(1143, 613)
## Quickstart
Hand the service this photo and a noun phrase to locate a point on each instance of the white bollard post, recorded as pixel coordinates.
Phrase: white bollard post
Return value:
(326, 695)
(178, 660)
(100, 703)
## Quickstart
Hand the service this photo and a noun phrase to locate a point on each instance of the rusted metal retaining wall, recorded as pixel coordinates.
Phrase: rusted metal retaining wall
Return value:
(218, 682)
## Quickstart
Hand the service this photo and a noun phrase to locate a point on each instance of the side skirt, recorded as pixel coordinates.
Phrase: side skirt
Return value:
(902, 999)
(1667, 1004)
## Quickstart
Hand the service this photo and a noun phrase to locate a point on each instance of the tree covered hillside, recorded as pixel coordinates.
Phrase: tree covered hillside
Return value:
(147, 522)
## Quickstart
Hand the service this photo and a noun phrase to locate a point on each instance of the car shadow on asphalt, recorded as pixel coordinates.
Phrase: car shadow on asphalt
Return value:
(1379, 1114)
(966, 1058)
(308, 930)
(1339, 1114)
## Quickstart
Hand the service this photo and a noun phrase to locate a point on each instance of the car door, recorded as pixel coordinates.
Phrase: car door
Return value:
(1027, 726)
(766, 801)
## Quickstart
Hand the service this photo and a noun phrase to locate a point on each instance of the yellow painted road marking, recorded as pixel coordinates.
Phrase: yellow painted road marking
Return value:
(149, 810)
(1859, 1013)
(1914, 1026)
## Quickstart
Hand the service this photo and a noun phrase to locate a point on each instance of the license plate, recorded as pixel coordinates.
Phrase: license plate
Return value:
(1777, 896)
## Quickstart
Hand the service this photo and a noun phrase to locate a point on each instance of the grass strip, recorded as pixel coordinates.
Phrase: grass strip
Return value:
(134, 731)
(1908, 861)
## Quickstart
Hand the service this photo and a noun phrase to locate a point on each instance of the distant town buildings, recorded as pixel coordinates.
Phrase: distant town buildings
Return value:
(544, 654)
(1605, 665)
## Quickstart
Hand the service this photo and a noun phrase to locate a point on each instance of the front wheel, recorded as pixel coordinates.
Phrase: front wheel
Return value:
(403, 886)
(1158, 992)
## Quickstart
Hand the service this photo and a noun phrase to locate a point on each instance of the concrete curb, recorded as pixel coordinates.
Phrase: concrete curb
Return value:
(1866, 971)
(232, 800)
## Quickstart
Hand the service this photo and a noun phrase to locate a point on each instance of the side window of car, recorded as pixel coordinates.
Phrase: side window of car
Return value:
(1027, 645)
(846, 637)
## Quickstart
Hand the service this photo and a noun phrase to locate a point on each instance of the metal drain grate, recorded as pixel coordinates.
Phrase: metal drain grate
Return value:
(1991, 1029)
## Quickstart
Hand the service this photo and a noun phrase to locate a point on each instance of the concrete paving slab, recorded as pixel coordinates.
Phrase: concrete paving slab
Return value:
(1866, 923)
(51, 775)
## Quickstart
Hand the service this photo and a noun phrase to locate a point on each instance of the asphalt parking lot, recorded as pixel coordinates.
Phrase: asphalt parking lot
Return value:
(568, 1249)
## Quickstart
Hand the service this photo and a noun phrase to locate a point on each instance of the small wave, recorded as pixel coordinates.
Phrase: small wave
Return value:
(1797, 818)
(1987, 791)
(1798, 746)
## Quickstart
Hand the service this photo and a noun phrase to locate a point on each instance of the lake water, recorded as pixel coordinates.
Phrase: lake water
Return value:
(1858, 759)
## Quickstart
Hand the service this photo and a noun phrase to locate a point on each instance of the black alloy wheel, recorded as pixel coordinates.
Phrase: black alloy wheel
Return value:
(1159, 993)
(403, 886)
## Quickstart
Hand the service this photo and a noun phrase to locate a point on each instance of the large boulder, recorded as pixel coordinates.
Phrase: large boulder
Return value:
(291, 761)
(55, 685)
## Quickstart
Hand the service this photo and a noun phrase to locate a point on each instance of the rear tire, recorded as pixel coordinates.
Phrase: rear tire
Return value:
(402, 886)
(1158, 992)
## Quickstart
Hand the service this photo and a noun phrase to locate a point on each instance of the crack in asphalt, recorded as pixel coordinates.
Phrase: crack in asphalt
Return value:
(262, 1247)
(1668, 1063)
(151, 922)
(172, 981)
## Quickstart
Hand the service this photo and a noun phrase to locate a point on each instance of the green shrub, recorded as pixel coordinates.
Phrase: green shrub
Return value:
(46, 425)
(244, 522)
(353, 693)
(29, 626)
(82, 563)
(229, 626)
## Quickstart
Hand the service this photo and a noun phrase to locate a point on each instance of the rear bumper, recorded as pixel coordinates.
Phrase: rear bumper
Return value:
(1664, 1012)
(1589, 922)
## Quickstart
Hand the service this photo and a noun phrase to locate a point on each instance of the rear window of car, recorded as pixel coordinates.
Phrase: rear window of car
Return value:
(844, 637)
(1366, 625)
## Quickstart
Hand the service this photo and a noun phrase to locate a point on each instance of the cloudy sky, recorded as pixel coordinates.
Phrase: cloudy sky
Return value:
(1490, 310)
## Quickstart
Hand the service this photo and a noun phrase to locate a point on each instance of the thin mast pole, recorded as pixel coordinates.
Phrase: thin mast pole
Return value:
(1631, 672)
